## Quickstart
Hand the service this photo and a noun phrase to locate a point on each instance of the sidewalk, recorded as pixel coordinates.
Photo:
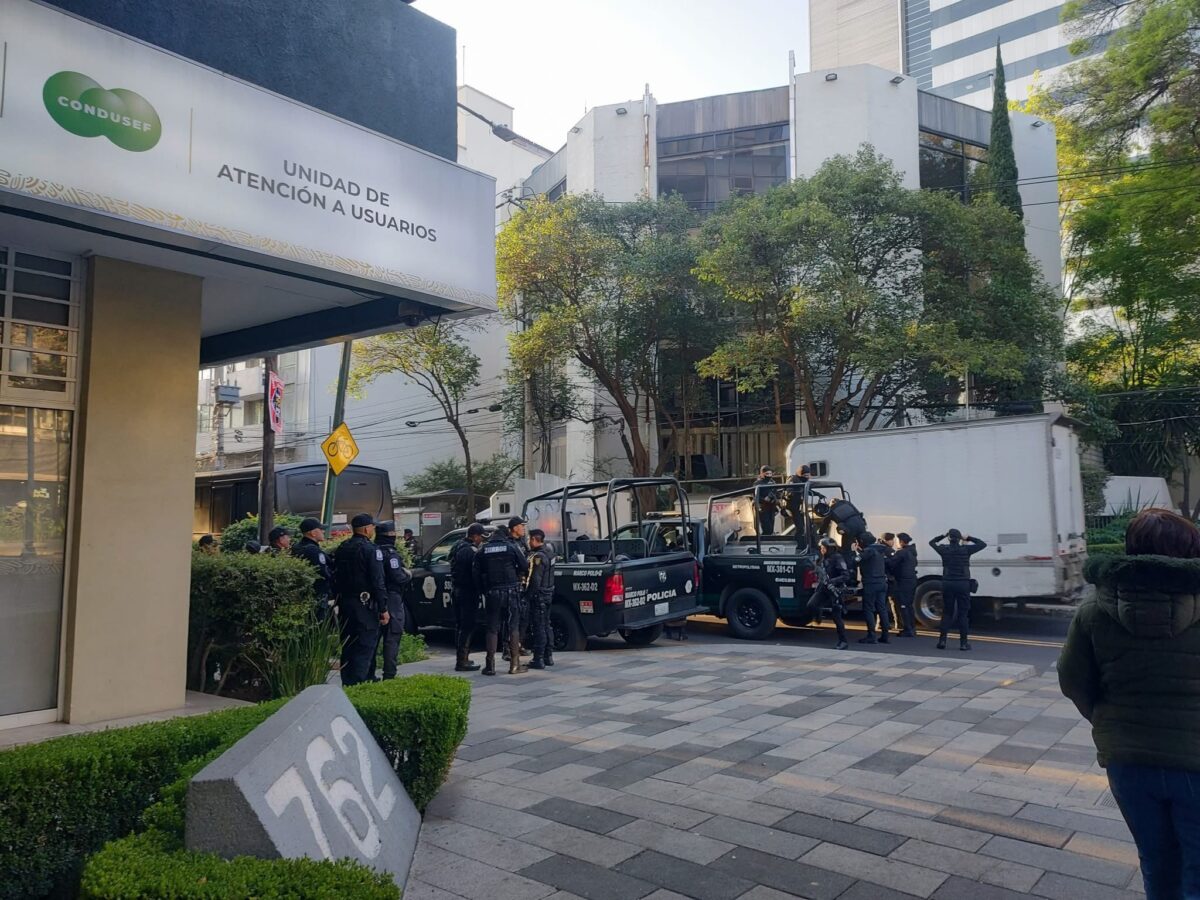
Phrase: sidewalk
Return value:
(769, 772)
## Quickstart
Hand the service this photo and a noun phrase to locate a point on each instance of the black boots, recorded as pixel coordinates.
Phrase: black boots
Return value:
(463, 662)
(964, 644)
(514, 657)
(548, 656)
(942, 642)
(489, 667)
(537, 663)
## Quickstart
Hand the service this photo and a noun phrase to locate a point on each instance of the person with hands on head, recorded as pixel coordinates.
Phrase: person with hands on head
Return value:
(956, 582)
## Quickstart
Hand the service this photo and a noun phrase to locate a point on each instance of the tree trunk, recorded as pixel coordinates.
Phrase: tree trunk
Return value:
(470, 470)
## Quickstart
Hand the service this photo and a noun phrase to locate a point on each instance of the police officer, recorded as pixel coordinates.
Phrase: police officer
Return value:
(499, 568)
(956, 582)
(766, 500)
(395, 577)
(464, 595)
(872, 568)
(903, 568)
(309, 549)
(795, 504)
(517, 533)
(279, 541)
(362, 598)
(539, 589)
(833, 579)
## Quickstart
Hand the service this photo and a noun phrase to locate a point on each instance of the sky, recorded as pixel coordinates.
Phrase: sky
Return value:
(552, 59)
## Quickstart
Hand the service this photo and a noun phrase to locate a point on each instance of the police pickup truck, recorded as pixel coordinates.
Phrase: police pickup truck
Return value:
(427, 597)
(609, 576)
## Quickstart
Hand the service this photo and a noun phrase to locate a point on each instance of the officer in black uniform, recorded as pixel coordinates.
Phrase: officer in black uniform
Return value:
(833, 580)
(309, 549)
(516, 533)
(795, 504)
(395, 578)
(464, 595)
(499, 569)
(956, 582)
(539, 591)
(766, 500)
(362, 598)
(903, 568)
(872, 566)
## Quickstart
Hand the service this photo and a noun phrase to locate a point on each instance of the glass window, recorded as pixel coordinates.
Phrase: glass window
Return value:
(974, 151)
(978, 177)
(41, 285)
(712, 171)
(35, 445)
(557, 191)
(939, 142)
(941, 171)
(44, 264)
(41, 311)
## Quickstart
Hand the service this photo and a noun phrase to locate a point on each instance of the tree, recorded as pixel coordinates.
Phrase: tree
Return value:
(493, 474)
(1127, 127)
(871, 298)
(437, 358)
(1002, 161)
(604, 286)
(1145, 86)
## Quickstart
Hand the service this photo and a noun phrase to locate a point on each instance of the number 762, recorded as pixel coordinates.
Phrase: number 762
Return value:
(340, 793)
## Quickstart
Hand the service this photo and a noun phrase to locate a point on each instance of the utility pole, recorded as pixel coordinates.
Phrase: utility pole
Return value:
(266, 489)
(339, 416)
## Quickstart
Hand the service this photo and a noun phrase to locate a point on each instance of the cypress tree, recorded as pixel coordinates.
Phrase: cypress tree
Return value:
(1002, 163)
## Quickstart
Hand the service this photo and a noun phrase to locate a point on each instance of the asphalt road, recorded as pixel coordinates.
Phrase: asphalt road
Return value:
(1032, 638)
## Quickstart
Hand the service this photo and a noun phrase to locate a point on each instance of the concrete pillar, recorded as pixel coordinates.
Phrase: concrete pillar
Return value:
(127, 594)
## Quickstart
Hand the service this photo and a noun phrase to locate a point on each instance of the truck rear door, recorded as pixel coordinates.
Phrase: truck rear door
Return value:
(658, 589)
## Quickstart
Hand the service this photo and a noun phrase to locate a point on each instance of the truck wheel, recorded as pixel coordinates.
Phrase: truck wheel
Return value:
(565, 629)
(927, 605)
(641, 637)
(751, 615)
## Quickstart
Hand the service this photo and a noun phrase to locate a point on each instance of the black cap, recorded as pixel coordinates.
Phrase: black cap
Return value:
(385, 527)
(515, 521)
(276, 533)
(310, 524)
(905, 537)
(205, 540)
(362, 520)
(954, 534)
(763, 470)
(865, 539)
(474, 528)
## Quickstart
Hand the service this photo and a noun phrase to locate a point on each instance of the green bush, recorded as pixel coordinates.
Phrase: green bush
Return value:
(1106, 549)
(237, 534)
(64, 799)
(301, 658)
(152, 865)
(1112, 533)
(242, 605)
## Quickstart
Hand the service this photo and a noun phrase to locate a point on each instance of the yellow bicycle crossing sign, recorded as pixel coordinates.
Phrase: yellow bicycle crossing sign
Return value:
(340, 449)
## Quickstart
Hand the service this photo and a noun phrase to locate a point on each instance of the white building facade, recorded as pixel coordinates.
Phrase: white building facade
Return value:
(948, 46)
(710, 148)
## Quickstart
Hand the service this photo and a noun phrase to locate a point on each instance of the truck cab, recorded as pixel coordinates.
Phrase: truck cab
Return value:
(619, 567)
(751, 579)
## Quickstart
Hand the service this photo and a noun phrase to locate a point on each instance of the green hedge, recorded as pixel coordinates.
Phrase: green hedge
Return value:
(64, 799)
(1105, 549)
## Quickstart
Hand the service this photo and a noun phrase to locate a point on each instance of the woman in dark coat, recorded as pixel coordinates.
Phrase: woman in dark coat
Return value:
(1131, 664)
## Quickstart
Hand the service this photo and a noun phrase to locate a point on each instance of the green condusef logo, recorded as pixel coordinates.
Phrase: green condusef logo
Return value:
(82, 107)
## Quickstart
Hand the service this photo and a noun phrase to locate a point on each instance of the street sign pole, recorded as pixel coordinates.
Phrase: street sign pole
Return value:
(339, 417)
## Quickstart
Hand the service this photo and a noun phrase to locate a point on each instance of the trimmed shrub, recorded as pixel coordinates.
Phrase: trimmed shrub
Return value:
(152, 865)
(64, 799)
(419, 721)
(241, 607)
(1106, 549)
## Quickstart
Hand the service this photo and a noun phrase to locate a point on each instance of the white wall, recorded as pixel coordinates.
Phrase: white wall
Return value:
(861, 106)
(1036, 151)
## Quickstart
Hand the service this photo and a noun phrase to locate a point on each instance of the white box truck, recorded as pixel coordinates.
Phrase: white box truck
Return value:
(1013, 481)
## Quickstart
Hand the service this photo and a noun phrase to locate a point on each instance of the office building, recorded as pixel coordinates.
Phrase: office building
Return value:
(713, 147)
(948, 46)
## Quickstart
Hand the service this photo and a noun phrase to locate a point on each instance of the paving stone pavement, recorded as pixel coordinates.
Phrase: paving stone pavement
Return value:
(765, 773)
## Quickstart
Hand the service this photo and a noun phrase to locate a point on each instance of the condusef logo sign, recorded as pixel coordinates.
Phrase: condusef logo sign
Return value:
(84, 108)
